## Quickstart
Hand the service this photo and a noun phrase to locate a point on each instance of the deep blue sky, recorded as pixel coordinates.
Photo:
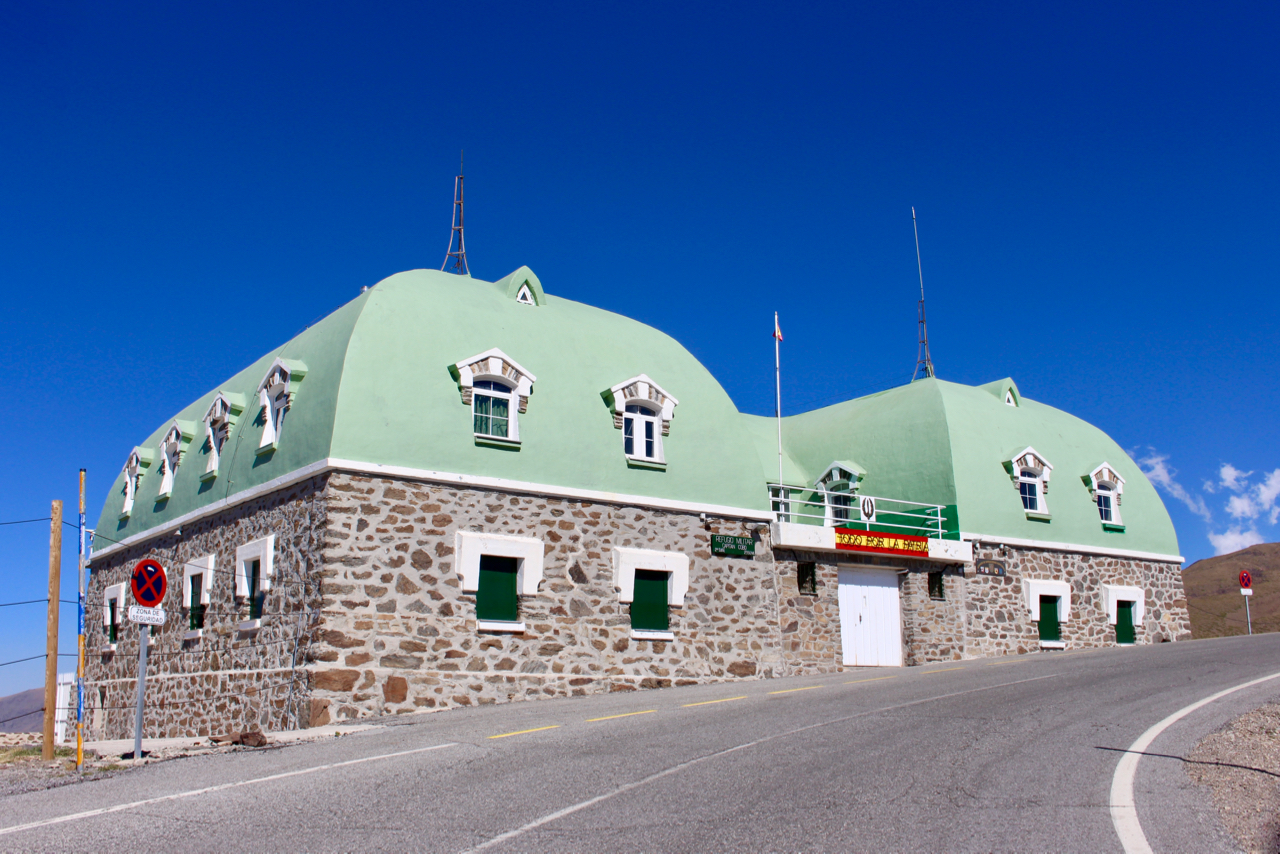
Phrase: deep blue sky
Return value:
(184, 187)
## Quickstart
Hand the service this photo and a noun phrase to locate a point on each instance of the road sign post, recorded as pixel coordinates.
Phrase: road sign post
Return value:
(148, 585)
(1246, 588)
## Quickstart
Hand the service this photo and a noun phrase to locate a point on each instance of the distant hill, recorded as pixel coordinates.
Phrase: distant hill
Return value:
(1213, 592)
(16, 704)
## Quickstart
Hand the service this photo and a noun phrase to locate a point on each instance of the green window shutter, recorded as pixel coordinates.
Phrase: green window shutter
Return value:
(1124, 622)
(1049, 619)
(114, 625)
(649, 604)
(496, 597)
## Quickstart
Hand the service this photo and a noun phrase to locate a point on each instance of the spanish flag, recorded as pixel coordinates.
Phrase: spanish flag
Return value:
(777, 330)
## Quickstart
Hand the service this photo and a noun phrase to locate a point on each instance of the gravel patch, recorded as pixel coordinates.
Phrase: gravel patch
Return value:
(1240, 765)
(22, 769)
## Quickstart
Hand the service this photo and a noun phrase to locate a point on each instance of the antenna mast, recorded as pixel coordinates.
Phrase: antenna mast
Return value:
(455, 236)
(924, 364)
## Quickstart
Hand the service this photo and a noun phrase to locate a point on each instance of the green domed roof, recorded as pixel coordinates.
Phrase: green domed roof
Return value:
(945, 443)
(380, 388)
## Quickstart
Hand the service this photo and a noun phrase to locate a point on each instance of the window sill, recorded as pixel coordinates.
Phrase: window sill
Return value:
(641, 462)
(1053, 644)
(1038, 516)
(194, 634)
(496, 441)
(108, 649)
(208, 476)
(250, 625)
(124, 517)
(266, 449)
(647, 634)
(1112, 526)
(499, 626)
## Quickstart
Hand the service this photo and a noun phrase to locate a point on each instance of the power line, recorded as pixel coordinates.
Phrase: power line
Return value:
(23, 715)
(29, 602)
(27, 522)
(20, 660)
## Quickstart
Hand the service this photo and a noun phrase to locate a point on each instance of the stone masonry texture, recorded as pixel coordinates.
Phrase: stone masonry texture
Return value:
(366, 614)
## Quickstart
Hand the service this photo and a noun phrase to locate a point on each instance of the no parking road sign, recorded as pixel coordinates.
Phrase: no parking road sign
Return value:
(148, 583)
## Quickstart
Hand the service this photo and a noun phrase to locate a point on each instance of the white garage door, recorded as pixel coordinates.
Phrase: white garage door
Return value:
(870, 618)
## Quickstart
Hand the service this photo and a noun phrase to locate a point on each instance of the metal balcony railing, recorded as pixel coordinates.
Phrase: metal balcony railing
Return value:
(807, 505)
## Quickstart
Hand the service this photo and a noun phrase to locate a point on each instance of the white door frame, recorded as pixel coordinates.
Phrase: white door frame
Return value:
(870, 617)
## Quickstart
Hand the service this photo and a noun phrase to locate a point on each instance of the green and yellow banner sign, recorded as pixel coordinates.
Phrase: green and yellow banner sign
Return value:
(887, 544)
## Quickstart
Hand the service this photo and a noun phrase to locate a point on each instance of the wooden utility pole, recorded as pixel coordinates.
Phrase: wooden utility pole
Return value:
(51, 646)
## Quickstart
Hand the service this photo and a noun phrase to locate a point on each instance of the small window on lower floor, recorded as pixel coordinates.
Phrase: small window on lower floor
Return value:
(649, 604)
(496, 595)
(936, 588)
(112, 606)
(196, 604)
(257, 595)
(807, 578)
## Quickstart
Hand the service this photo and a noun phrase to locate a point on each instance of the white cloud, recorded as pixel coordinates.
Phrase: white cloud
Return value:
(1234, 539)
(1233, 478)
(1157, 469)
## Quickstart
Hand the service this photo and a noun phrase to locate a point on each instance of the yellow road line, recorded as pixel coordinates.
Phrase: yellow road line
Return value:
(623, 715)
(790, 690)
(943, 670)
(709, 702)
(876, 679)
(523, 731)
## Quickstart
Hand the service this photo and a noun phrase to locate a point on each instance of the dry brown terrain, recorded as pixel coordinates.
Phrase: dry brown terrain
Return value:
(1213, 592)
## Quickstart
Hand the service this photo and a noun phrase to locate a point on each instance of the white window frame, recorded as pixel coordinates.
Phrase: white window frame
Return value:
(512, 399)
(264, 550)
(276, 394)
(1113, 594)
(218, 421)
(470, 546)
(139, 459)
(1034, 588)
(116, 592)
(841, 480)
(649, 419)
(202, 566)
(675, 564)
(496, 366)
(1028, 466)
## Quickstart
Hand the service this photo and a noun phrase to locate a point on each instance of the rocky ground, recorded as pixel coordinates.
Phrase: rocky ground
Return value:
(1240, 765)
(22, 769)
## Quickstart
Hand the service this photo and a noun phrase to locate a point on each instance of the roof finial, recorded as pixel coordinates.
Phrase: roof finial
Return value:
(924, 364)
(455, 236)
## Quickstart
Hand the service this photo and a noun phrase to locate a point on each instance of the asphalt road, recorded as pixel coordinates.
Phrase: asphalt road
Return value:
(1013, 754)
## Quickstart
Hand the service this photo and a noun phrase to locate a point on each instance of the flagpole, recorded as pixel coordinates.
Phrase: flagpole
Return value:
(777, 377)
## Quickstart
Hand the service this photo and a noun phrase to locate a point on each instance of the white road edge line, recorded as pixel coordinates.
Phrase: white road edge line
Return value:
(1124, 814)
(674, 769)
(192, 793)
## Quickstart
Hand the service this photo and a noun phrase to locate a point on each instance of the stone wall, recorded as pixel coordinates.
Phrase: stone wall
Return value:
(400, 635)
(932, 629)
(227, 680)
(999, 622)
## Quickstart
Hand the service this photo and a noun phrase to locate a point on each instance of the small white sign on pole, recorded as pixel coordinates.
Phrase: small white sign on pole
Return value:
(1248, 591)
(146, 616)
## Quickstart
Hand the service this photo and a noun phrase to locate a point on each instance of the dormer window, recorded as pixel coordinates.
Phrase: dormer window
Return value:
(218, 421)
(172, 449)
(1030, 473)
(276, 393)
(1107, 486)
(525, 295)
(1008, 398)
(497, 389)
(138, 460)
(837, 485)
(642, 410)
